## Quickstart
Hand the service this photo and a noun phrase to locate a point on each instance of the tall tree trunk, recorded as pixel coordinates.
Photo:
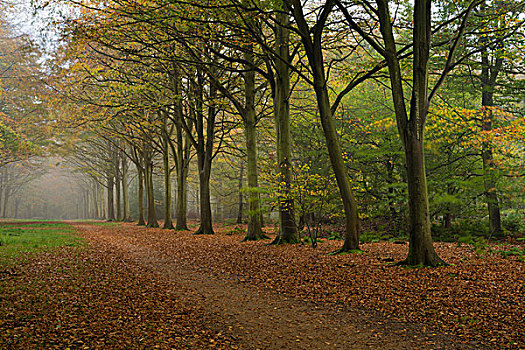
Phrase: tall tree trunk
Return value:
(150, 194)
(288, 232)
(421, 249)
(338, 165)
(6, 201)
(140, 173)
(117, 189)
(181, 155)
(254, 231)
(94, 189)
(182, 197)
(168, 223)
(240, 210)
(102, 203)
(411, 128)
(489, 180)
(204, 154)
(111, 205)
(314, 52)
(488, 80)
(204, 165)
(85, 213)
(5, 187)
(125, 188)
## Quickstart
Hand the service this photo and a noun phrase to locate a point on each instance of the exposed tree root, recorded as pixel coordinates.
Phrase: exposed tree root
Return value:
(200, 231)
(280, 240)
(255, 237)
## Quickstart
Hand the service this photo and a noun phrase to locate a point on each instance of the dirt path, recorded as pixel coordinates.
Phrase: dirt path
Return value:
(260, 318)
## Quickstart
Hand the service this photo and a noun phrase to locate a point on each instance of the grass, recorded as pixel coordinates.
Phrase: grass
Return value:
(19, 240)
(39, 224)
(104, 223)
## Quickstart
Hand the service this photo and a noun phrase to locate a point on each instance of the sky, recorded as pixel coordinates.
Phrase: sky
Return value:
(39, 24)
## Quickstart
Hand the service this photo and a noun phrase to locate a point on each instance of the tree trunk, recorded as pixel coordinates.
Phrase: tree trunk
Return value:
(125, 189)
(6, 201)
(111, 205)
(94, 189)
(102, 203)
(182, 197)
(288, 232)
(141, 221)
(204, 154)
(241, 204)
(168, 223)
(181, 155)
(488, 80)
(85, 212)
(116, 172)
(254, 231)
(421, 249)
(313, 49)
(150, 194)
(394, 216)
(411, 128)
(336, 158)
(206, 226)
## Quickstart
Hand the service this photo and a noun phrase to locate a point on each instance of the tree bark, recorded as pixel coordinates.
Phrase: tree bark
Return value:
(111, 205)
(125, 189)
(206, 226)
(117, 184)
(313, 49)
(241, 200)
(488, 80)
(94, 189)
(182, 197)
(335, 153)
(181, 154)
(288, 232)
(421, 250)
(140, 173)
(150, 194)
(204, 147)
(168, 223)
(254, 231)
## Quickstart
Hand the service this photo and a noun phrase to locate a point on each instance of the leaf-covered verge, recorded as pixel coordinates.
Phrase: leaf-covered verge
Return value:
(478, 298)
(104, 297)
(81, 298)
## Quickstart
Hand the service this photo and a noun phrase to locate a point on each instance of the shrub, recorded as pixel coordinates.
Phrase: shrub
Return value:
(513, 222)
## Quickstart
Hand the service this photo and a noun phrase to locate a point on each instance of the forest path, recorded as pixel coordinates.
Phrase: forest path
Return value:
(256, 317)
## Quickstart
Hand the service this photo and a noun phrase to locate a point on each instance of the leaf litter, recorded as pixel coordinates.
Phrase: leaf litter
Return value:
(121, 293)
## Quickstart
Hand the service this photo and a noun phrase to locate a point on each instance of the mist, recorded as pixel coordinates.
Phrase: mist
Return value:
(42, 189)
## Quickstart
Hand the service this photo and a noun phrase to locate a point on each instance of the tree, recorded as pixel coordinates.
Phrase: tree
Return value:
(312, 42)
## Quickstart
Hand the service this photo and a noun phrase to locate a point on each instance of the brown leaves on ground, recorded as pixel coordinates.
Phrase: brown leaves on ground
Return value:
(92, 299)
(103, 298)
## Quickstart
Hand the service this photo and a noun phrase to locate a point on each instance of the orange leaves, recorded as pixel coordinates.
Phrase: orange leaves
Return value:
(155, 288)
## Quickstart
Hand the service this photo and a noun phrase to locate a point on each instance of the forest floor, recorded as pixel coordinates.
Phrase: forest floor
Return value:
(137, 288)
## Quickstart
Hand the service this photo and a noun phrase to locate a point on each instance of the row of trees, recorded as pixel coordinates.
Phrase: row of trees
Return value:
(171, 85)
(24, 129)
